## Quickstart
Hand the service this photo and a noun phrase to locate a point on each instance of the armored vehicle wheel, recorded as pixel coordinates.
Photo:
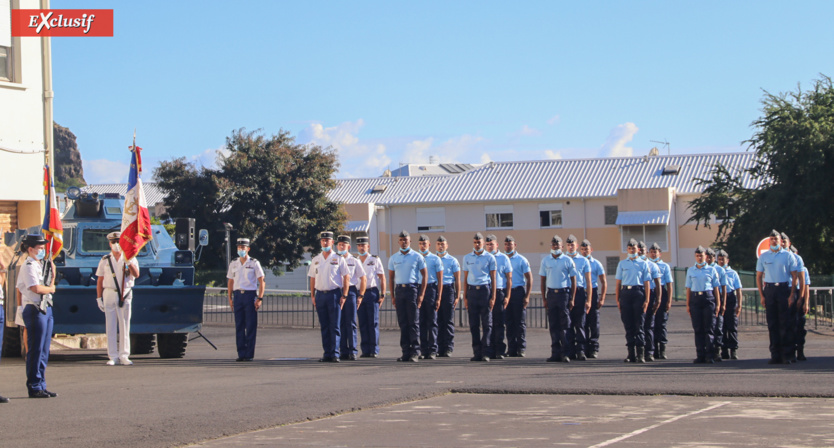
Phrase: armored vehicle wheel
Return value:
(171, 345)
(12, 338)
(142, 344)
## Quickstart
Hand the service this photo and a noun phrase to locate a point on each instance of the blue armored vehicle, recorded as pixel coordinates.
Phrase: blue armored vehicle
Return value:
(167, 306)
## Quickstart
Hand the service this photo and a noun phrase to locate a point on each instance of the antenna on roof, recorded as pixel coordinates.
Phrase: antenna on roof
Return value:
(664, 143)
(432, 160)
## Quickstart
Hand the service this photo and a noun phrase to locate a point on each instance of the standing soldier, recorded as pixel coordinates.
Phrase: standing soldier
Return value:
(577, 339)
(448, 300)
(661, 316)
(600, 288)
(34, 289)
(558, 287)
(798, 287)
(503, 286)
(368, 310)
(732, 308)
(632, 295)
(329, 286)
(356, 292)
(115, 294)
(431, 300)
(775, 270)
(702, 285)
(720, 304)
(405, 269)
(246, 294)
(800, 308)
(516, 313)
(654, 302)
(2, 313)
(479, 268)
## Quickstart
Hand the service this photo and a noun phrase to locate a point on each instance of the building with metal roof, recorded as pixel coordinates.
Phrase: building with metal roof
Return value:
(431, 169)
(154, 196)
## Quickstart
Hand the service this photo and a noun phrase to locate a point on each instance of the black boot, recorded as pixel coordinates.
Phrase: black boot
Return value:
(640, 359)
(800, 353)
(733, 353)
(632, 357)
(725, 353)
(661, 351)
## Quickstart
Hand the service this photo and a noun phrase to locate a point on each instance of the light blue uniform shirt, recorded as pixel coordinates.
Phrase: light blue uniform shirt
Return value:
(777, 266)
(807, 277)
(583, 266)
(520, 267)
(633, 272)
(406, 267)
(450, 266)
(478, 267)
(733, 280)
(433, 266)
(596, 271)
(800, 264)
(654, 272)
(502, 268)
(722, 274)
(665, 273)
(558, 271)
(704, 279)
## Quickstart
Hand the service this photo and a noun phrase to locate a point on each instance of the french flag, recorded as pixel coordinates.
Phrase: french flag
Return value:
(136, 221)
(53, 229)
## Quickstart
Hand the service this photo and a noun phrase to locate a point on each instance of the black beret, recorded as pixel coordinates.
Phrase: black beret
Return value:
(571, 239)
(775, 233)
(362, 240)
(556, 239)
(656, 247)
(491, 237)
(243, 241)
(722, 253)
(478, 236)
(404, 234)
(710, 252)
(641, 245)
(509, 239)
(632, 243)
(343, 239)
(441, 238)
(324, 235)
(784, 237)
(585, 243)
(424, 237)
(700, 250)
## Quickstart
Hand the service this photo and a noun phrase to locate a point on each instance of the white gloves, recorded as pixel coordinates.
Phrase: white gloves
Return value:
(100, 302)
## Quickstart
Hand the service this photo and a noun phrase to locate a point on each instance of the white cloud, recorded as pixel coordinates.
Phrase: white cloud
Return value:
(485, 158)
(453, 150)
(357, 158)
(550, 154)
(528, 131)
(210, 158)
(615, 145)
(553, 120)
(103, 171)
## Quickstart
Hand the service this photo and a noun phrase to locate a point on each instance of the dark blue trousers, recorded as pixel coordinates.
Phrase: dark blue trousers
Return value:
(729, 331)
(576, 332)
(329, 312)
(592, 324)
(246, 323)
(408, 316)
(778, 320)
(446, 320)
(718, 334)
(631, 313)
(661, 318)
(498, 320)
(39, 331)
(702, 313)
(369, 322)
(558, 319)
(428, 321)
(648, 324)
(347, 344)
(797, 319)
(480, 316)
(515, 318)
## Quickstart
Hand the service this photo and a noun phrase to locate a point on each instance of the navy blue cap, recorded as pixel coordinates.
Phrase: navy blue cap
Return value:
(343, 239)
(362, 240)
(324, 235)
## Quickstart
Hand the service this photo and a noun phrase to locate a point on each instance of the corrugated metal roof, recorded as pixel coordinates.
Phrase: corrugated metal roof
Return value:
(575, 178)
(643, 218)
(153, 195)
(357, 226)
(360, 191)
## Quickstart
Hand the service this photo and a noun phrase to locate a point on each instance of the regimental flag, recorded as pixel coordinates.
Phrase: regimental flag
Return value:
(53, 229)
(136, 221)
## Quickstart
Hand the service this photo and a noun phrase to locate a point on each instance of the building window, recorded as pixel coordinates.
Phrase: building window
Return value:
(611, 215)
(6, 44)
(611, 265)
(431, 219)
(648, 234)
(499, 217)
(6, 64)
(550, 215)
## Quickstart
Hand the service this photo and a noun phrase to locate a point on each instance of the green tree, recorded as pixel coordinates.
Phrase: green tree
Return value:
(272, 190)
(794, 144)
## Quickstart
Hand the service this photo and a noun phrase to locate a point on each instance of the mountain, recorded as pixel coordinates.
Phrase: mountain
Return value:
(68, 169)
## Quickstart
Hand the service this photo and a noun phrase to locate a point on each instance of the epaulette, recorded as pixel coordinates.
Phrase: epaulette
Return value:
(105, 257)
(375, 256)
(254, 259)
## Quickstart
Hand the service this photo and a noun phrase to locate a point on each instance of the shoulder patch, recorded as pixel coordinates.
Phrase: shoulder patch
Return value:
(375, 256)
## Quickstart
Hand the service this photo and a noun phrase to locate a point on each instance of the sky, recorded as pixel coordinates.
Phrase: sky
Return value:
(386, 83)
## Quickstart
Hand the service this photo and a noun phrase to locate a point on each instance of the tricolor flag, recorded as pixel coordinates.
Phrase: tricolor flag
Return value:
(53, 229)
(136, 221)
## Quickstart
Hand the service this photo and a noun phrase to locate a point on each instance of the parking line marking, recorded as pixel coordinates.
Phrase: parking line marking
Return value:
(649, 428)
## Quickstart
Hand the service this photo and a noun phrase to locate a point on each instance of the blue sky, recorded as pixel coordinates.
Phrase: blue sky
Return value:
(391, 82)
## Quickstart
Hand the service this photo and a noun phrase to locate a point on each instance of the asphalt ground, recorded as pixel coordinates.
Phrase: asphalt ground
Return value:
(207, 395)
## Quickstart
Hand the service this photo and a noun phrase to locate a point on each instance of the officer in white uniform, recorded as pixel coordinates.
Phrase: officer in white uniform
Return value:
(368, 310)
(115, 277)
(329, 286)
(38, 320)
(356, 293)
(246, 294)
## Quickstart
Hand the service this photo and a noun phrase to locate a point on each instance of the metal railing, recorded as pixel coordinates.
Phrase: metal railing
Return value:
(295, 309)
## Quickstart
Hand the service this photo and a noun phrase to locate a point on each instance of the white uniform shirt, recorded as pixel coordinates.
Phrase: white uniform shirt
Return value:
(245, 275)
(104, 271)
(373, 267)
(356, 270)
(31, 274)
(328, 271)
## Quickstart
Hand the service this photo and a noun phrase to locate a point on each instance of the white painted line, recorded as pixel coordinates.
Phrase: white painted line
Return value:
(649, 428)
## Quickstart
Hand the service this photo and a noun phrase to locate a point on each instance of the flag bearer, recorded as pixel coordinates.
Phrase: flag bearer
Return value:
(368, 310)
(116, 278)
(632, 295)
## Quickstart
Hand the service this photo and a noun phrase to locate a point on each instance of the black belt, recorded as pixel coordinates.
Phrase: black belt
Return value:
(559, 289)
(406, 285)
(637, 287)
(477, 286)
(329, 290)
(242, 291)
(776, 284)
(702, 293)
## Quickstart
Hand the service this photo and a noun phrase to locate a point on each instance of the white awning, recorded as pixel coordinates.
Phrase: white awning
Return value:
(656, 217)
(357, 226)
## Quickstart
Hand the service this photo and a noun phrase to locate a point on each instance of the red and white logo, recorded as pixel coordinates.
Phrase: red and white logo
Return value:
(62, 22)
